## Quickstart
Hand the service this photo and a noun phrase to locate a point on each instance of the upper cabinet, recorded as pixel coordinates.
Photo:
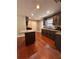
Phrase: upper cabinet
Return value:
(57, 19)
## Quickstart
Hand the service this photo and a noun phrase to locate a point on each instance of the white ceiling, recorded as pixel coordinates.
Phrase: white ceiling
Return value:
(27, 7)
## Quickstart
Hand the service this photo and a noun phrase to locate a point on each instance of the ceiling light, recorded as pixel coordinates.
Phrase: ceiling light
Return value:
(32, 14)
(38, 7)
(48, 12)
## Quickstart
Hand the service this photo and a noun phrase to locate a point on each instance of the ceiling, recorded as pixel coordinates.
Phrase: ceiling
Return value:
(28, 7)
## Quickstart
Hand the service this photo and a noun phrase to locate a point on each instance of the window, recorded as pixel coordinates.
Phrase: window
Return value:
(49, 22)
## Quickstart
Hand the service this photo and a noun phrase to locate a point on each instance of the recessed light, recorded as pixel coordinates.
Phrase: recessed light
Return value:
(32, 14)
(48, 12)
(37, 7)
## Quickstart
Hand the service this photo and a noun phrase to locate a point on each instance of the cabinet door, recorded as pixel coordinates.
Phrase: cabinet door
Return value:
(58, 42)
(29, 38)
(57, 19)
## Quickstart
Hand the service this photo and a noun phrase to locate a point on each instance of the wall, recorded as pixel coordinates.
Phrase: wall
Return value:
(36, 25)
(39, 25)
(33, 25)
(21, 26)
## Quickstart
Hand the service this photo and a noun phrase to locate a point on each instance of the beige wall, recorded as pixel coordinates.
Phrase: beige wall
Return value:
(21, 24)
(36, 25)
(39, 25)
(33, 25)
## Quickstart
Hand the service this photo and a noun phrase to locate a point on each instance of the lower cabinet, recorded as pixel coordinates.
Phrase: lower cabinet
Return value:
(58, 42)
(48, 33)
(51, 34)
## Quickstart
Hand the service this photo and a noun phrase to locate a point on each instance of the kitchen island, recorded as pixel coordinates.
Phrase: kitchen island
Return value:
(29, 37)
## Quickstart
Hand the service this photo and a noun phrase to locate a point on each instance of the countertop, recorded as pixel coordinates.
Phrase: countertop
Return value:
(27, 31)
(50, 29)
(56, 31)
(22, 33)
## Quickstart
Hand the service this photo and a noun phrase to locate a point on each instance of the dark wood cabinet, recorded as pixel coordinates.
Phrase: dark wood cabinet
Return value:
(52, 35)
(48, 33)
(58, 42)
(57, 20)
(29, 38)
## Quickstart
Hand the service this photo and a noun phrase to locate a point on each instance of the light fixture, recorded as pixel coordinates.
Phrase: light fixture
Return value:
(37, 6)
(32, 14)
(48, 12)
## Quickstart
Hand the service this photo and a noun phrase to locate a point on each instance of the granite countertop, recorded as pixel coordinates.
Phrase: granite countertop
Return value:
(26, 31)
(58, 33)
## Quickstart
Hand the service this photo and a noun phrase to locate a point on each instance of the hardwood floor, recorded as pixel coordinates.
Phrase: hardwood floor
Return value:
(44, 48)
